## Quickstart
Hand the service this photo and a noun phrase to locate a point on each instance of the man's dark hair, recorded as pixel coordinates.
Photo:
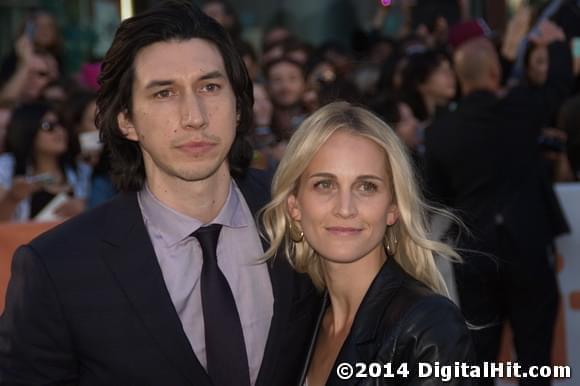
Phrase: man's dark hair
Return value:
(171, 20)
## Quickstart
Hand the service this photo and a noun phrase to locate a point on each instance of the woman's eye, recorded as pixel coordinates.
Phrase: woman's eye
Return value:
(323, 185)
(368, 187)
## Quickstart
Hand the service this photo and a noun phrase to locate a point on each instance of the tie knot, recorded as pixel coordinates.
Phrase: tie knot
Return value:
(208, 238)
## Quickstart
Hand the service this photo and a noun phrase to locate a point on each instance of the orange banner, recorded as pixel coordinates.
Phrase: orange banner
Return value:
(12, 235)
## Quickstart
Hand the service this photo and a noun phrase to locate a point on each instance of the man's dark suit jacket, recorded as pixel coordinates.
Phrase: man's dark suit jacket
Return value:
(483, 160)
(87, 305)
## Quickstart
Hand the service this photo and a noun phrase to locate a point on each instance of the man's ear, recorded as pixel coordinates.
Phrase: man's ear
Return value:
(126, 126)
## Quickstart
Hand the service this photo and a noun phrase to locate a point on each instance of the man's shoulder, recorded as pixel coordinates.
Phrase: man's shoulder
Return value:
(255, 186)
(86, 228)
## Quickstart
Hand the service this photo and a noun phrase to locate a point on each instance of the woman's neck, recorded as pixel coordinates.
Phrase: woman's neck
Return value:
(46, 164)
(347, 285)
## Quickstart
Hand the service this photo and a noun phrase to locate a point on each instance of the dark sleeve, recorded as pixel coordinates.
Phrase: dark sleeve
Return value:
(434, 331)
(35, 345)
(506, 68)
(436, 185)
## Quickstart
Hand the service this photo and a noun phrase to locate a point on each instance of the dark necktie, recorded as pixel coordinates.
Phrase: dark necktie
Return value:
(227, 361)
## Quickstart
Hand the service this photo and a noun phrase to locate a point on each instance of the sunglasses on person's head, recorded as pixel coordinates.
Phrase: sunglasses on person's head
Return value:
(49, 126)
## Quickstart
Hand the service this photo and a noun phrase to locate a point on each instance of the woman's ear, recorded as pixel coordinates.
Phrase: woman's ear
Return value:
(294, 208)
(126, 126)
(392, 215)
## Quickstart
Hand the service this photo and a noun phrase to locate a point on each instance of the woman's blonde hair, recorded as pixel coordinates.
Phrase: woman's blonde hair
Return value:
(414, 252)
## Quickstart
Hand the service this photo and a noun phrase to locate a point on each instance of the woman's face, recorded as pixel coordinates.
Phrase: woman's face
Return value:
(538, 63)
(440, 85)
(344, 203)
(263, 108)
(51, 138)
(46, 30)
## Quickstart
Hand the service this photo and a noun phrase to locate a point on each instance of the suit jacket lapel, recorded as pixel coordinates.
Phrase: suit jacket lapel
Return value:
(128, 251)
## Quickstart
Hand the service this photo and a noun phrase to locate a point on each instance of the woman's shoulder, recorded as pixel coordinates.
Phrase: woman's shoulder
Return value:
(421, 325)
(432, 328)
(423, 309)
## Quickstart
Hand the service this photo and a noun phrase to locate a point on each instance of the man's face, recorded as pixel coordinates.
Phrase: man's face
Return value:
(184, 111)
(40, 73)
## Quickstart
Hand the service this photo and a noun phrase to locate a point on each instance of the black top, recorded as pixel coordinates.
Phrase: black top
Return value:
(399, 321)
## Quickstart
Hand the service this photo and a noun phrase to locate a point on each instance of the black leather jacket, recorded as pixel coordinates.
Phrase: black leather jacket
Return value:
(401, 321)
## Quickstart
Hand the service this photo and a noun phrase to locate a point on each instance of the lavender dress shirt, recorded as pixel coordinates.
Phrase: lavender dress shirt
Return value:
(238, 252)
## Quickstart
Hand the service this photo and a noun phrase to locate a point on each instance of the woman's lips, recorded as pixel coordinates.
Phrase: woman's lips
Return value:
(344, 231)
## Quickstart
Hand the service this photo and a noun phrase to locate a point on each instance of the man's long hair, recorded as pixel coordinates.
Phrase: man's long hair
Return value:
(170, 21)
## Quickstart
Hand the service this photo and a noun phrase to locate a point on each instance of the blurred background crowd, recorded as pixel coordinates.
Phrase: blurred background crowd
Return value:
(397, 57)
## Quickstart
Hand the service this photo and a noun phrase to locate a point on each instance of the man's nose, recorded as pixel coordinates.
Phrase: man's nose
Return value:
(193, 112)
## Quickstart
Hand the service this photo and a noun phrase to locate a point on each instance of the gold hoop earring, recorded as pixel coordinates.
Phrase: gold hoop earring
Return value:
(392, 251)
(294, 231)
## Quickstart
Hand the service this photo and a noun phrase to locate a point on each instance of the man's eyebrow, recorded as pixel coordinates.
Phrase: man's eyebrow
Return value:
(159, 83)
(212, 75)
(167, 82)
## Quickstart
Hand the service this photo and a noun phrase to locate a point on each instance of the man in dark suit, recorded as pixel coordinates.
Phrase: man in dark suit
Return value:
(164, 284)
(483, 160)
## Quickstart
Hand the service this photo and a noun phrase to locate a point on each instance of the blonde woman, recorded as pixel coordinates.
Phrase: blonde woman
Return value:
(346, 210)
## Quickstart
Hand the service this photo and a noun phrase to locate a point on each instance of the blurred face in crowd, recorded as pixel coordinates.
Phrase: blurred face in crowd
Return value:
(286, 84)
(538, 64)
(276, 35)
(41, 73)
(51, 138)
(406, 127)
(184, 111)
(46, 31)
(262, 106)
(440, 85)
(217, 11)
(344, 201)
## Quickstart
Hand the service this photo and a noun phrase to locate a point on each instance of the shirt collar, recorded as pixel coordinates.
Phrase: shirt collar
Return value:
(174, 226)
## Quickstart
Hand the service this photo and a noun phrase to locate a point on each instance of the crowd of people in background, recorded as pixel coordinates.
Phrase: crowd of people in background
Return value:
(484, 115)
(409, 81)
